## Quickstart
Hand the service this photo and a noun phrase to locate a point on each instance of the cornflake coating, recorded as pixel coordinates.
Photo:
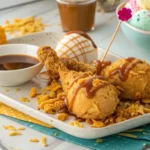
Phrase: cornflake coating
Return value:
(33, 92)
(62, 116)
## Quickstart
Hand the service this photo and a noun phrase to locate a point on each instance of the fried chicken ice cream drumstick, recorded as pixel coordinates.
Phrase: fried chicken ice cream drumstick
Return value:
(131, 75)
(88, 96)
(43, 56)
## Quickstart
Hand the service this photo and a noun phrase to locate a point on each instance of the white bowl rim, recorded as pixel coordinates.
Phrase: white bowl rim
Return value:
(24, 69)
(127, 24)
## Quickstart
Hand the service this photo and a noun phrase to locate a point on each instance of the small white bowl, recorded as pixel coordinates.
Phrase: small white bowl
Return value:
(21, 76)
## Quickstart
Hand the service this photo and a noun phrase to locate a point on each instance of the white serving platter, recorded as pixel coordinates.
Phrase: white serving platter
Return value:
(12, 97)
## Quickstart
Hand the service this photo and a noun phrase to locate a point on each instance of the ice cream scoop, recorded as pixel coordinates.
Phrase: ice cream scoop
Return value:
(145, 4)
(75, 45)
(133, 5)
(141, 20)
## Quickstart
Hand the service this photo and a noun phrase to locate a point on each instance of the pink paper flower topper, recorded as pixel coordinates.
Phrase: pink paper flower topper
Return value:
(124, 14)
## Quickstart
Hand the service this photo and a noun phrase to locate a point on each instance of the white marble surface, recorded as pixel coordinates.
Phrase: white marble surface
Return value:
(104, 28)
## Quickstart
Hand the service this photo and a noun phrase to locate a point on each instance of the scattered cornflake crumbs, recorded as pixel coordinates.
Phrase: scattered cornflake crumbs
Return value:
(99, 140)
(128, 135)
(23, 26)
(97, 124)
(44, 141)
(59, 24)
(62, 116)
(6, 90)
(33, 92)
(135, 130)
(17, 89)
(24, 99)
(12, 148)
(42, 98)
(14, 133)
(54, 86)
(77, 124)
(55, 134)
(34, 140)
(10, 128)
(21, 128)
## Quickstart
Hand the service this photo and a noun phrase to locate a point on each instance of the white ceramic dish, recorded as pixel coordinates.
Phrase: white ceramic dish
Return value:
(18, 77)
(11, 98)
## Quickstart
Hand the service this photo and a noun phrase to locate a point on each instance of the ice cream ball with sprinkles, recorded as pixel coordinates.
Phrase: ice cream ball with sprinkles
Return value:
(141, 20)
(76, 45)
(133, 5)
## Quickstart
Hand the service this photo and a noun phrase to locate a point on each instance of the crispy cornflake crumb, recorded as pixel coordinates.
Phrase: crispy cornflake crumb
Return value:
(21, 128)
(135, 130)
(22, 26)
(97, 124)
(144, 133)
(34, 140)
(52, 94)
(33, 92)
(43, 141)
(128, 135)
(10, 128)
(42, 98)
(49, 108)
(96, 82)
(62, 116)
(55, 134)
(54, 86)
(18, 89)
(12, 148)
(77, 124)
(14, 133)
(6, 90)
(99, 140)
(24, 99)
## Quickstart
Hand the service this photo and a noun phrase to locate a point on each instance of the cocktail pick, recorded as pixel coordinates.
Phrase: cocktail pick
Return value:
(123, 15)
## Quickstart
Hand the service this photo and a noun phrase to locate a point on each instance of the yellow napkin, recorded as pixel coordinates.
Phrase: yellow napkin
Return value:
(8, 111)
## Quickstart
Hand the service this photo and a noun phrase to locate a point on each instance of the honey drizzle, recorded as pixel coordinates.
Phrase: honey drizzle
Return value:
(69, 48)
(76, 44)
(101, 65)
(87, 85)
(125, 68)
(84, 35)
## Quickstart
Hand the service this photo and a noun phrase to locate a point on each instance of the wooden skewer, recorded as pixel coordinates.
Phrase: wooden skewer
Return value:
(112, 39)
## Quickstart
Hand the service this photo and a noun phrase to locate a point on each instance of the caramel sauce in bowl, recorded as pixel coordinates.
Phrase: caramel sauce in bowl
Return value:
(18, 64)
(77, 14)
